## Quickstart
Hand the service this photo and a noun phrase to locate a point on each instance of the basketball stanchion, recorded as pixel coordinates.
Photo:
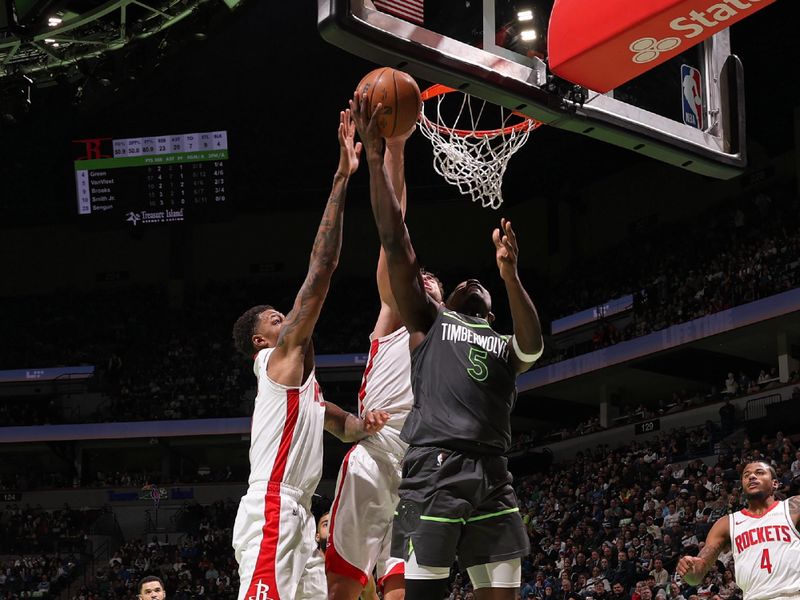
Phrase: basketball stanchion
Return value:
(465, 152)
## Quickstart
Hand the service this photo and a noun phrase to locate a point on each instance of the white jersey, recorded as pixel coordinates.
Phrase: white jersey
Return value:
(766, 553)
(286, 433)
(386, 385)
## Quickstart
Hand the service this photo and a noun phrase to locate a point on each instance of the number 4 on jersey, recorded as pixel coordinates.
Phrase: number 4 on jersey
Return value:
(765, 562)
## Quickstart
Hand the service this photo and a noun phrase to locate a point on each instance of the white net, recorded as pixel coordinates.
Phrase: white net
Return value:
(468, 156)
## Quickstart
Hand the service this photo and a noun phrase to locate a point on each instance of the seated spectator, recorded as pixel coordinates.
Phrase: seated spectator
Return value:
(673, 518)
(795, 468)
(618, 592)
(597, 577)
(598, 592)
(731, 386)
(659, 573)
(708, 588)
(689, 541)
(625, 573)
(729, 590)
(674, 592)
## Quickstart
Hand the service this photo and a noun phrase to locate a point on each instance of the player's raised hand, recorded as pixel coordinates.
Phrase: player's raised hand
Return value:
(691, 569)
(367, 125)
(374, 420)
(349, 152)
(506, 249)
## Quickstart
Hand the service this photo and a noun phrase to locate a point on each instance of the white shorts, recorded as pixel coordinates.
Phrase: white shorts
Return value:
(360, 536)
(273, 542)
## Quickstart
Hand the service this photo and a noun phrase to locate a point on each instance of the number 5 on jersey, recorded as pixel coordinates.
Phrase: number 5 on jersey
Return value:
(478, 371)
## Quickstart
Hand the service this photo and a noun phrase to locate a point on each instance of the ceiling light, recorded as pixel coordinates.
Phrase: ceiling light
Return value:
(525, 15)
(54, 21)
(528, 35)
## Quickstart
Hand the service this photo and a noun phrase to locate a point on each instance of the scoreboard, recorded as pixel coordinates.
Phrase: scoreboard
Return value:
(159, 179)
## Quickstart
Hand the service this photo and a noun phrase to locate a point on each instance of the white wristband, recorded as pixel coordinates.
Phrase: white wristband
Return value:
(524, 356)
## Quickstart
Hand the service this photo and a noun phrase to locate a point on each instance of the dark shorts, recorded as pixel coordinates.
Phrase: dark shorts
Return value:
(454, 504)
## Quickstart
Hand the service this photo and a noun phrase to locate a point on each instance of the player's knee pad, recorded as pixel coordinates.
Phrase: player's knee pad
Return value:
(501, 574)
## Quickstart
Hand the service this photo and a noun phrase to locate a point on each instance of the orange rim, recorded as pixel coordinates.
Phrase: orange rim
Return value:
(527, 124)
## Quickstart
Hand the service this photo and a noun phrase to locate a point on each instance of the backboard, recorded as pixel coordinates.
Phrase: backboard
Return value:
(688, 111)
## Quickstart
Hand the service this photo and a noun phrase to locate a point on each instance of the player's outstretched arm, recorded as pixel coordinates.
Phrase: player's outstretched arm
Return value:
(295, 335)
(693, 568)
(416, 310)
(527, 342)
(394, 160)
(350, 428)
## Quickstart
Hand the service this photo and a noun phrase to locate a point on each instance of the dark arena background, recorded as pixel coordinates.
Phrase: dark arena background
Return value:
(167, 176)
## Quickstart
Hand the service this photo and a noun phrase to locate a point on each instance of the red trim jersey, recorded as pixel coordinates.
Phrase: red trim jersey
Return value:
(386, 385)
(286, 432)
(766, 553)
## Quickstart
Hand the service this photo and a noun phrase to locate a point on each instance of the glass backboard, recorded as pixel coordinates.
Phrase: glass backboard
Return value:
(688, 111)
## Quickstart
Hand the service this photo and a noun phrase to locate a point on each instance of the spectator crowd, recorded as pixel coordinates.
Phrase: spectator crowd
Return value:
(609, 525)
(167, 355)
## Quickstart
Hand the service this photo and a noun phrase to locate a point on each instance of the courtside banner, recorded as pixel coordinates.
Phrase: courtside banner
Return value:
(601, 45)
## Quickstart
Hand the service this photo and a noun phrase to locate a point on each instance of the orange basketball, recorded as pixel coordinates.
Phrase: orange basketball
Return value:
(399, 94)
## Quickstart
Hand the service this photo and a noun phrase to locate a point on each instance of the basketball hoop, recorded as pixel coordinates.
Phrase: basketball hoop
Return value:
(466, 153)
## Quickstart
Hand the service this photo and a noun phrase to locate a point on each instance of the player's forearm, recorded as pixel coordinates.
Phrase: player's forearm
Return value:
(328, 241)
(394, 159)
(527, 328)
(344, 425)
(385, 209)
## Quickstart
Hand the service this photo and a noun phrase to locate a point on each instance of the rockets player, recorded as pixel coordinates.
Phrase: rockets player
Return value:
(273, 536)
(366, 489)
(763, 537)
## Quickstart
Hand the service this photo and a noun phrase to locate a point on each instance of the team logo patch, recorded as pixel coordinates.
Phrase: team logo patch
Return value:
(262, 592)
(408, 513)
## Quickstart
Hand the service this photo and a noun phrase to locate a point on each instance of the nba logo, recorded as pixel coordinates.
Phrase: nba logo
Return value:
(692, 93)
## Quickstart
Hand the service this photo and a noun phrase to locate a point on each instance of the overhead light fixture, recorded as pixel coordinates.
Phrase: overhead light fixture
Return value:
(525, 15)
(54, 21)
(528, 35)
(49, 41)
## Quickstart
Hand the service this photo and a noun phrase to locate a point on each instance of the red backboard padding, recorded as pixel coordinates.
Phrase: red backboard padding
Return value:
(601, 44)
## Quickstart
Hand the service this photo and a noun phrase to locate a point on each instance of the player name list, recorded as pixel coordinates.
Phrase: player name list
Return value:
(155, 180)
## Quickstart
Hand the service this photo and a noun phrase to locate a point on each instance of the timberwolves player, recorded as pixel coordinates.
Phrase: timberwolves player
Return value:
(763, 537)
(456, 498)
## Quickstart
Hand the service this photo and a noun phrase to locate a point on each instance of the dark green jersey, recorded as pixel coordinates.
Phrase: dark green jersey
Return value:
(464, 387)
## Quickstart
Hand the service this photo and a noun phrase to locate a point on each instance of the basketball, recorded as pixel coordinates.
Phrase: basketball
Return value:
(399, 94)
